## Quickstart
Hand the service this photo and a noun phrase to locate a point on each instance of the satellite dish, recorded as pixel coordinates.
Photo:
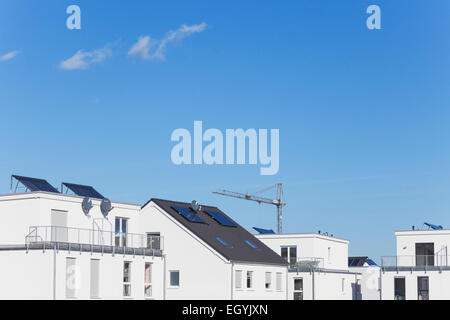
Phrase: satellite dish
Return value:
(86, 205)
(195, 205)
(105, 207)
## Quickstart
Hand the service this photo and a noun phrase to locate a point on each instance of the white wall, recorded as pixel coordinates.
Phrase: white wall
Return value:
(258, 290)
(333, 251)
(406, 244)
(30, 275)
(439, 284)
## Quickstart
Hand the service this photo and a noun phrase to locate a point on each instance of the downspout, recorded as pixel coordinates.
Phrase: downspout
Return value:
(313, 286)
(164, 277)
(287, 282)
(232, 280)
(54, 272)
(380, 285)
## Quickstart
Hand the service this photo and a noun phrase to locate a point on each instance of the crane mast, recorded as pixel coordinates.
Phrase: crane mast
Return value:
(276, 202)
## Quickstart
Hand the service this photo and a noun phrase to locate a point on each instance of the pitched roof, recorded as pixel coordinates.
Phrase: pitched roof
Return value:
(218, 236)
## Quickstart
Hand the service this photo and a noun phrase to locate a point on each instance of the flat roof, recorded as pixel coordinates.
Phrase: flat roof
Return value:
(301, 235)
(57, 196)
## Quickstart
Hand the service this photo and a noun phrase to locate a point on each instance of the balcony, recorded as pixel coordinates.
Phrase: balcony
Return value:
(310, 263)
(93, 240)
(416, 261)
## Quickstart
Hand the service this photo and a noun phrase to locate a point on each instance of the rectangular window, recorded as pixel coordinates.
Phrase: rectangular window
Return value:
(154, 240)
(95, 278)
(127, 279)
(399, 289)
(174, 278)
(59, 231)
(423, 288)
(289, 254)
(268, 280)
(121, 232)
(148, 280)
(72, 278)
(424, 254)
(279, 280)
(238, 280)
(298, 289)
(249, 279)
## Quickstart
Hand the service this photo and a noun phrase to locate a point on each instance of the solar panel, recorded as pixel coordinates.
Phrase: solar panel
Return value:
(251, 244)
(264, 231)
(188, 214)
(226, 244)
(83, 191)
(220, 218)
(370, 262)
(33, 184)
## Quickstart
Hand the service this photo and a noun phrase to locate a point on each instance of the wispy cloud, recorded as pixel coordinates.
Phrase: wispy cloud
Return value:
(148, 48)
(9, 55)
(83, 59)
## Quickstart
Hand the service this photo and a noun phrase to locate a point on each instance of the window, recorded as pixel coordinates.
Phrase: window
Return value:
(278, 283)
(298, 289)
(424, 254)
(95, 278)
(399, 289)
(289, 254)
(174, 278)
(127, 279)
(238, 280)
(268, 280)
(121, 230)
(249, 279)
(72, 278)
(251, 244)
(423, 288)
(148, 280)
(59, 231)
(154, 240)
(223, 242)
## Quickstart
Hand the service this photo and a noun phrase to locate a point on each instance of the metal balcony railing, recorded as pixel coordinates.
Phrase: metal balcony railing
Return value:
(93, 237)
(307, 262)
(436, 260)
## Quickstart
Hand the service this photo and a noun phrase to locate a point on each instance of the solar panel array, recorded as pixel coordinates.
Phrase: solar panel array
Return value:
(83, 191)
(188, 214)
(220, 218)
(264, 231)
(33, 184)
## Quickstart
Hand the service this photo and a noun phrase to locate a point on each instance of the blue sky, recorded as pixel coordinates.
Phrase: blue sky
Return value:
(363, 115)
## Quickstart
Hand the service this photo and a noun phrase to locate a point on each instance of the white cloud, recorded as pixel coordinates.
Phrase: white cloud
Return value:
(83, 59)
(149, 49)
(9, 55)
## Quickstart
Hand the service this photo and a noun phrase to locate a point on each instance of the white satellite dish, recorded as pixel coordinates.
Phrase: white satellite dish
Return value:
(86, 205)
(195, 205)
(105, 207)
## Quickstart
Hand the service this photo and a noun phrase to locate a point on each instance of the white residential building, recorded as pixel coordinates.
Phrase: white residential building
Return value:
(51, 249)
(80, 245)
(421, 268)
(210, 256)
(318, 266)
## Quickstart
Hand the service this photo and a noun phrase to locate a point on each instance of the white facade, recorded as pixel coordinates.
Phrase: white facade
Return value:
(319, 268)
(421, 268)
(204, 274)
(370, 283)
(86, 264)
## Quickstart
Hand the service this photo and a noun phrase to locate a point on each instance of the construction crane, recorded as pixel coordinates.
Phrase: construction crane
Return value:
(276, 202)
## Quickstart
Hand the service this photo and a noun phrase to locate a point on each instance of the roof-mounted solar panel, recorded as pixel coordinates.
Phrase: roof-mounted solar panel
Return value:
(264, 231)
(220, 218)
(226, 244)
(188, 214)
(83, 191)
(251, 244)
(433, 226)
(33, 184)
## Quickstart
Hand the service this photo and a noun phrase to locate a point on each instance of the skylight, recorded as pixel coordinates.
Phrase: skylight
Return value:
(251, 244)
